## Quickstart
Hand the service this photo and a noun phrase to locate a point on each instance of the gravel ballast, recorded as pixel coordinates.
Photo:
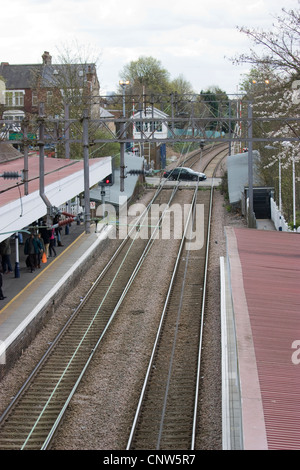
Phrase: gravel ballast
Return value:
(100, 414)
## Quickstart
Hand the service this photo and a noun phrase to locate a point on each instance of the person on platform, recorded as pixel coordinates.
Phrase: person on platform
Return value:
(46, 238)
(52, 242)
(32, 247)
(5, 251)
(2, 297)
(57, 230)
(41, 246)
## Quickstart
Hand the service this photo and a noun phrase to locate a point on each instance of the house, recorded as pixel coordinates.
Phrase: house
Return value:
(108, 119)
(53, 84)
(155, 128)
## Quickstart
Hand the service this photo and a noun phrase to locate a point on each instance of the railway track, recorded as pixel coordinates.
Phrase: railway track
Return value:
(166, 414)
(210, 161)
(31, 420)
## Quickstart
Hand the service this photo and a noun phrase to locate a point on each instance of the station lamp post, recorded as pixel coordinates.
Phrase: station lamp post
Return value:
(123, 134)
(124, 84)
(266, 82)
(270, 147)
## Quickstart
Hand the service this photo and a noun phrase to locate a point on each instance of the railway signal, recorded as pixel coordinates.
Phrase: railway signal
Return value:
(107, 181)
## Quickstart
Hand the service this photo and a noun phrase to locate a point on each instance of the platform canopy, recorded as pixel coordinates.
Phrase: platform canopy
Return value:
(64, 179)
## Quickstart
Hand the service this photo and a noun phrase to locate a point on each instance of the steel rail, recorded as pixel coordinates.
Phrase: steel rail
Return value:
(127, 287)
(189, 224)
(159, 330)
(204, 151)
(195, 154)
(57, 421)
(86, 297)
(194, 432)
(202, 319)
(84, 300)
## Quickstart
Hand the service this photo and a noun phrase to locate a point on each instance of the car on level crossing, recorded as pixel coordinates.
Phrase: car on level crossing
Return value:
(184, 173)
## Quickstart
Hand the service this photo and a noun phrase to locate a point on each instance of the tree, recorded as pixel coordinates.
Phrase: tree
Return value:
(181, 86)
(217, 106)
(278, 48)
(67, 87)
(150, 85)
(276, 61)
(146, 76)
(74, 76)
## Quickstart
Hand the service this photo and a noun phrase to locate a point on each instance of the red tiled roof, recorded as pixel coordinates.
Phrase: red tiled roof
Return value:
(55, 169)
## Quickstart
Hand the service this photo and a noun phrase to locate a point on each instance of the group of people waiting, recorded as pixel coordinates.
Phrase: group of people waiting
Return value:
(34, 249)
(41, 243)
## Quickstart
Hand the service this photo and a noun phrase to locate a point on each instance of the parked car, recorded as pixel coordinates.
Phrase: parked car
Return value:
(183, 173)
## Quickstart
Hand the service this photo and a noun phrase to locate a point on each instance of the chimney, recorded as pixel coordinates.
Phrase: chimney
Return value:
(47, 58)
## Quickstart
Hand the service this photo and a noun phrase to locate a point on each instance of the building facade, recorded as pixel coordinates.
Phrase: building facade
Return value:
(55, 85)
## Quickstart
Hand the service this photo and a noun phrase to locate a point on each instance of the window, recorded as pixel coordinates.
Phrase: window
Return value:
(156, 126)
(13, 120)
(34, 98)
(138, 126)
(49, 97)
(148, 126)
(14, 98)
(9, 98)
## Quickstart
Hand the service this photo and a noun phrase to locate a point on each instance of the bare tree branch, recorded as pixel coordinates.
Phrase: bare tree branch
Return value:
(279, 48)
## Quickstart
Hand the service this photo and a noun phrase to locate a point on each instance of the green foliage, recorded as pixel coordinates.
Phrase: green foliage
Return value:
(146, 75)
(181, 86)
(217, 103)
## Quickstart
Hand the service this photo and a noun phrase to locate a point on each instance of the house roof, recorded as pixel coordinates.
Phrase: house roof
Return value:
(17, 76)
(24, 76)
(105, 114)
(8, 152)
(149, 112)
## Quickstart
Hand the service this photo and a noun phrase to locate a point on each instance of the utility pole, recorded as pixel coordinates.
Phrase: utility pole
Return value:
(41, 144)
(229, 128)
(294, 194)
(250, 161)
(67, 130)
(122, 156)
(25, 171)
(85, 142)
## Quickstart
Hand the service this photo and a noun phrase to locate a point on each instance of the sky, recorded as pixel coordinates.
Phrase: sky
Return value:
(195, 39)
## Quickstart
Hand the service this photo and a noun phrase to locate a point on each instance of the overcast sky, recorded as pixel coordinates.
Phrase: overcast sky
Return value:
(190, 38)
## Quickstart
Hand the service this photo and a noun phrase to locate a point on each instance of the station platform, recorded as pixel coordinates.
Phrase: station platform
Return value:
(28, 296)
(260, 340)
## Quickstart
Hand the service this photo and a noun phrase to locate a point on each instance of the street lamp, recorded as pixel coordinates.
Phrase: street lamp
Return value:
(270, 147)
(294, 195)
(267, 82)
(124, 84)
